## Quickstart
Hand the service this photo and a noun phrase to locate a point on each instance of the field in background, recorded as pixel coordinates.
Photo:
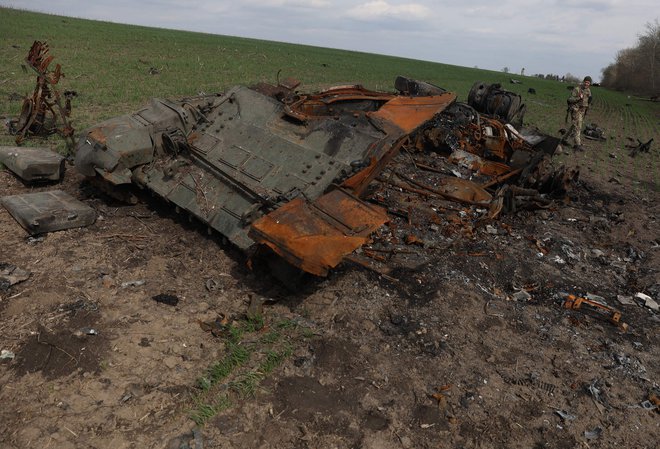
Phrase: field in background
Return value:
(109, 66)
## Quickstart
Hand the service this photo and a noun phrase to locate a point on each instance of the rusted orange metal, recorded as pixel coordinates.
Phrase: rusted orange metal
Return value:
(479, 164)
(455, 189)
(465, 191)
(324, 104)
(400, 117)
(315, 236)
(409, 113)
(40, 113)
(575, 303)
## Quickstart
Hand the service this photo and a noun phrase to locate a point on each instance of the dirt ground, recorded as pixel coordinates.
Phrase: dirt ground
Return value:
(453, 353)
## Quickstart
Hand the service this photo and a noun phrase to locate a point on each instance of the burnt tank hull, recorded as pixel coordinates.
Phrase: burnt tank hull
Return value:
(265, 165)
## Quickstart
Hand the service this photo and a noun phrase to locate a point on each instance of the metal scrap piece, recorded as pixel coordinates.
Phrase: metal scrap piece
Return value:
(33, 164)
(11, 274)
(575, 303)
(648, 301)
(316, 236)
(593, 434)
(48, 211)
(41, 112)
(565, 415)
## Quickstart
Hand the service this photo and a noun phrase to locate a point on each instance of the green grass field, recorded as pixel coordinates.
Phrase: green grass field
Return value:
(109, 64)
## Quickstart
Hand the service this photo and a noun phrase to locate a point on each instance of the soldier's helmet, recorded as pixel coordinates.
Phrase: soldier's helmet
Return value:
(587, 78)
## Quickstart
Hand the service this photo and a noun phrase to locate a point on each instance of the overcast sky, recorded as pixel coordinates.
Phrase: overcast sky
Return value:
(551, 36)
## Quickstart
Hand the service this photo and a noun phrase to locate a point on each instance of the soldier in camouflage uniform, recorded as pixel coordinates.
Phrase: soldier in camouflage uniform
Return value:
(578, 103)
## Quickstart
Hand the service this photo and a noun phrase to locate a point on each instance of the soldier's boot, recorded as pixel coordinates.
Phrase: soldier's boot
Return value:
(579, 148)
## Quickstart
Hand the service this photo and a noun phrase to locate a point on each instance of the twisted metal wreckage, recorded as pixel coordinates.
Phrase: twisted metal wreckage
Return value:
(41, 113)
(314, 178)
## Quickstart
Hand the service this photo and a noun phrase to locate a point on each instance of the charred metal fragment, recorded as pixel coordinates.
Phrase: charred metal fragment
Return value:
(492, 100)
(416, 88)
(41, 113)
(640, 147)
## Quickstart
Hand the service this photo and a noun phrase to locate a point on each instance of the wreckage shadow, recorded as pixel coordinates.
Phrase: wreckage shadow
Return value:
(38, 183)
(259, 271)
(271, 276)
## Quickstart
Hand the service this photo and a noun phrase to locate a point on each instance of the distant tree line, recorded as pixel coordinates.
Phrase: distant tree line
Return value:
(637, 69)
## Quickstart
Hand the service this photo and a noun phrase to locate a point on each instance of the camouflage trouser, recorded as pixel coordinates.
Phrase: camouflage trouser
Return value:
(577, 116)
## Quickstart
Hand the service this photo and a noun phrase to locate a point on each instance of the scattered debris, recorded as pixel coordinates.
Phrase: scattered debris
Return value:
(42, 212)
(41, 113)
(575, 303)
(10, 275)
(31, 240)
(640, 147)
(648, 301)
(212, 285)
(137, 283)
(593, 434)
(255, 310)
(654, 400)
(597, 395)
(593, 132)
(218, 327)
(81, 333)
(648, 405)
(565, 415)
(165, 298)
(531, 90)
(522, 295)
(5, 354)
(33, 164)
(80, 305)
(626, 300)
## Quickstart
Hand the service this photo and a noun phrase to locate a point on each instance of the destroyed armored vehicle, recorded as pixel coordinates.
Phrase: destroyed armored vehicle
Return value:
(494, 101)
(269, 167)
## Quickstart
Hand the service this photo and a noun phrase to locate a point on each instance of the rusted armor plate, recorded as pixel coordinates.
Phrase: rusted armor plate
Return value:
(315, 236)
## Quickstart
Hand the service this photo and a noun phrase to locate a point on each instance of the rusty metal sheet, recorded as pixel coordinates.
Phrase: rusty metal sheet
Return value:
(326, 103)
(479, 164)
(401, 116)
(409, 113)
(455, 189)
(316, 236)
(465, 190)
